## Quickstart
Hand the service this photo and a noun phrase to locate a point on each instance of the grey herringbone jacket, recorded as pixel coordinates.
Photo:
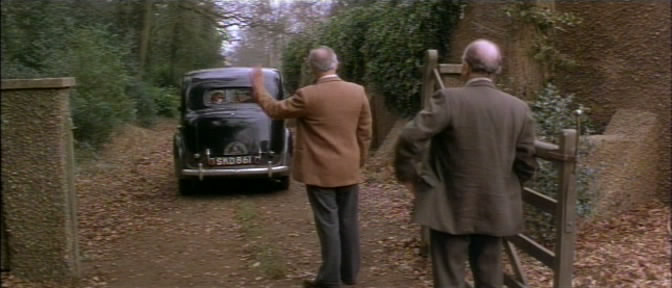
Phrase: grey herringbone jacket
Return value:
(477, 147)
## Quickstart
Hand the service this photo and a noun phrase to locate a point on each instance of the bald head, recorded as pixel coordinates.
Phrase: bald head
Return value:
(483, 56)
(322, 59)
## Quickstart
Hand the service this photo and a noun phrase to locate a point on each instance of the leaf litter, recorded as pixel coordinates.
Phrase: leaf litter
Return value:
(628, 250)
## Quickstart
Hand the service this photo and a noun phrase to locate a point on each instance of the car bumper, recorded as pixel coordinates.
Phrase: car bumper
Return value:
(270, 172)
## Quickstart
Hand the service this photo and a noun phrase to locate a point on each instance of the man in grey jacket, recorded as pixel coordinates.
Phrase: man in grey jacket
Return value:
(477, 147)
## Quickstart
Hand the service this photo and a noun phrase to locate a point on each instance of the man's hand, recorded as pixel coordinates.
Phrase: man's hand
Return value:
(257, 79)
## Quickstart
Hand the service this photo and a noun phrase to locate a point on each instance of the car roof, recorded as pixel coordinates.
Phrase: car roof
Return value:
(229, 72)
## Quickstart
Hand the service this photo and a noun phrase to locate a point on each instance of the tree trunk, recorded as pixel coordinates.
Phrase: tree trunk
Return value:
(174, 41)
(144, 37)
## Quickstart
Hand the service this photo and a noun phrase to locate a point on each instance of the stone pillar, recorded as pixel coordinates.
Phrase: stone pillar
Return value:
(38, 195)
(4, 262)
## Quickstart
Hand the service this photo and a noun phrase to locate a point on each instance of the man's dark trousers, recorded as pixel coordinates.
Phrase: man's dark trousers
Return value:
(450, 254)
(336, 220)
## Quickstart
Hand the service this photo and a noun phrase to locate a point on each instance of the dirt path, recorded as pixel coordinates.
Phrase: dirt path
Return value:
(136, 231)
(192, 247)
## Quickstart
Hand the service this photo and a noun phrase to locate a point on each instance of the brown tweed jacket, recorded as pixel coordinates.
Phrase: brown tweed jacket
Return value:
(333, 131)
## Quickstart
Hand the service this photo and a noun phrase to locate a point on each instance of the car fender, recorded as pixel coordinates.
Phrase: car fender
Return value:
(178, 154)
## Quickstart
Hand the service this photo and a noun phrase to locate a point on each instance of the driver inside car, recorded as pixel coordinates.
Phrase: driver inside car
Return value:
(217, 98)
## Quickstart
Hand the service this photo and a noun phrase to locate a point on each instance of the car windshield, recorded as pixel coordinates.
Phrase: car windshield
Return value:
(229, 95)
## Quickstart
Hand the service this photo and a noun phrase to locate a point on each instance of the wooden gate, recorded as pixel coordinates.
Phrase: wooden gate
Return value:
(563, 209)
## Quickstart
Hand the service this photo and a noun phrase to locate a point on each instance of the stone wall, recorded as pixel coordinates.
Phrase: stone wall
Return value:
(4, 255)
(486, 19)
(622, 50)
(383, 118)
(623, 161)
(38, 197)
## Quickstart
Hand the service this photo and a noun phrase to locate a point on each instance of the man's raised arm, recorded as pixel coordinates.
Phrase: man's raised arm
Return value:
(292, 107)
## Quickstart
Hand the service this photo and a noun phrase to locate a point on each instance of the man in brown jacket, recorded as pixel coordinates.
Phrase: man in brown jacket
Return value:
(477, 147)
(333, 133)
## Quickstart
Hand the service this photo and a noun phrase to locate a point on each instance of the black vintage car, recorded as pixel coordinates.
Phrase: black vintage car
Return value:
(224, 133)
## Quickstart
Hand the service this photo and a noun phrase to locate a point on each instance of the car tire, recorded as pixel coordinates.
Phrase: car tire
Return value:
(185, 186)
(282, 183)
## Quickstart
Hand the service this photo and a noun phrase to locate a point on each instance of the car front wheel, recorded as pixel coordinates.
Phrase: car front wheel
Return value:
(282, 183)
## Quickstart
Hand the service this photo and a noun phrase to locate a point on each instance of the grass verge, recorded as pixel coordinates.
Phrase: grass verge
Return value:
(264, 252)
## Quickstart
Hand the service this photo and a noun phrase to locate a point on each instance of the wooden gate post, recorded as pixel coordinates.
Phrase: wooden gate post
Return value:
(433, 74)
(565, 216)
(429, 83)
(428, 80)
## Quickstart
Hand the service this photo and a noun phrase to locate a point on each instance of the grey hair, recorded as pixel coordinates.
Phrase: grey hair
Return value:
(483, 56)
(322, 59)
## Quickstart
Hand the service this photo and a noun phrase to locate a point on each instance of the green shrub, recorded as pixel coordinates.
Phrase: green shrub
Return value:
(12, 69)
(167, 101)
(143, 96)
(99, 102)
(396, 45)
(381, 44)
(80, 39)
(153, 101)
(554, 112)
(293, 63)
(346, 35)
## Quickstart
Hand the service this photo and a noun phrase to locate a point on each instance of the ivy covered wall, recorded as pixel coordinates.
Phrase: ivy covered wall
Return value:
(380, 44)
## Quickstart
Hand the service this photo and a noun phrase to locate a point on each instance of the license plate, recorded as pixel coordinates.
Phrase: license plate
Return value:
(231, 160)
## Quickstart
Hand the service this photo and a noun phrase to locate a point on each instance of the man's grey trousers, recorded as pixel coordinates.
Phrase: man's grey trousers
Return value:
(451, 252)
(337, 223)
